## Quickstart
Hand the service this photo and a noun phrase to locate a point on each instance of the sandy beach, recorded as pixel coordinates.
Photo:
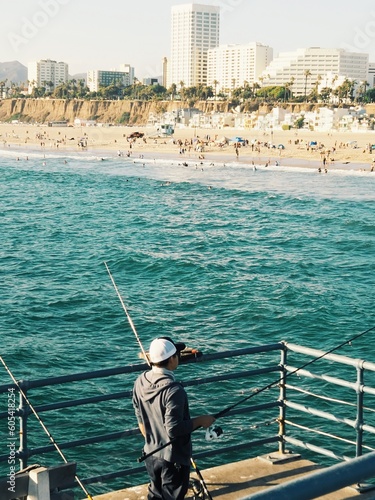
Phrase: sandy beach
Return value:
(332, 150)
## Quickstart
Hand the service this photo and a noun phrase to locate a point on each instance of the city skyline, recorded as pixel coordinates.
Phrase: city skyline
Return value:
(101, 35)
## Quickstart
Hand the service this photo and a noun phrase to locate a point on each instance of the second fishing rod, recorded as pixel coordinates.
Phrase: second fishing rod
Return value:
(275, 383)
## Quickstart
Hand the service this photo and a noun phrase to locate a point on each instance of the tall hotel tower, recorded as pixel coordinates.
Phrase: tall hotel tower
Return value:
(195, 30)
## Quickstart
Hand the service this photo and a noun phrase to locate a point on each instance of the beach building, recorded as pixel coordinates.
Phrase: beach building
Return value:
(235, 66)
(46, 73)
(184, 115)
(306, 69)
(327, 119)
(151, 81)
(100, 78)
(355, 120)
(195, 30)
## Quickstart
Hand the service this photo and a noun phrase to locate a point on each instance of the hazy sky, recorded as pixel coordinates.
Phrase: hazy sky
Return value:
(101, 34)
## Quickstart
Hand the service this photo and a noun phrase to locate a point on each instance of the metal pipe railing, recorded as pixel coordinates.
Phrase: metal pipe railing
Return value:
(359, 421)
(285, 404)
(357, 385)
(322, 482)
(23, 412)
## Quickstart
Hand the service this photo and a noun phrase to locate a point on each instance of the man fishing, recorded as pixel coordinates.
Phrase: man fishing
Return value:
(162, 410)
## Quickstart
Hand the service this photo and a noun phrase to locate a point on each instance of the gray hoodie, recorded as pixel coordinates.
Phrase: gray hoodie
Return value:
(161, 405)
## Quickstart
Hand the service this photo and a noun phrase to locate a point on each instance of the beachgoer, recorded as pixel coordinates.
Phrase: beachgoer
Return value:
(162, 410)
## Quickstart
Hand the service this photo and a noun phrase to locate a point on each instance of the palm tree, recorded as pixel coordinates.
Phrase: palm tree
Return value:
(216, 83)
(136, 84)
(173, 91)
(364, 84)
(349, 86)
(82, 88)
(307, 73)
(256, 86)
(317, 83)
(182, 92)
(2, 85)
(314, 95)
(334, 80)
(325, 94)
(287, 91)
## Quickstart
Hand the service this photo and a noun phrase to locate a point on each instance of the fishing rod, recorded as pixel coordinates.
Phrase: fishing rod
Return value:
(43, 425)
(277, 382)
(269, 386)
(195, 467)
(127, 315)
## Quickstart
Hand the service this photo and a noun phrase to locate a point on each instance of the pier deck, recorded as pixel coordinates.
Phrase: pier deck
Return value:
(238, 479)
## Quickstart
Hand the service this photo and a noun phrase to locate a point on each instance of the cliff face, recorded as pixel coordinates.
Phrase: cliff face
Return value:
(44, 110)
(132, 112)
(137, 112)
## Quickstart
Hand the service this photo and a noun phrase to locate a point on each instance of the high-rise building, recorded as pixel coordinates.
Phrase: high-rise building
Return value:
(165, 72)
(47, 73)
(97, 78)
(371, 75)
(305, 69)
(232, 66)
(195, 30)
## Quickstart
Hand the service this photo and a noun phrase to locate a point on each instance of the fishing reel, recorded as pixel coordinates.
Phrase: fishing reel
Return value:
(214, 432)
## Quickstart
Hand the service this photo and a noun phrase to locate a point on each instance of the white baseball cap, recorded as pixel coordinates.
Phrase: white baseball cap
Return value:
(163, 348)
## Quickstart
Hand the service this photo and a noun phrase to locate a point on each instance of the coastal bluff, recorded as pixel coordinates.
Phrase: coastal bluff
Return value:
(123, 112)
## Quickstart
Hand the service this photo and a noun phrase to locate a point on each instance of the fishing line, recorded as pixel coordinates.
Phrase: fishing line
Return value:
(127, 315)
(195, 467)
(43, 425)
(277, 382)
(272, 384)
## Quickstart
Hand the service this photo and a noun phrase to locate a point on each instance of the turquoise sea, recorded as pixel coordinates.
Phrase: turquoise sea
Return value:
(218, 256)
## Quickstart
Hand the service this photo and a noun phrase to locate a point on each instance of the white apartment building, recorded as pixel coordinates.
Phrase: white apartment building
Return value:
(129, 70)
(319, 62)
(237, 65)
(97, 78)
(195, 30)
(371, 75)
(47, 73)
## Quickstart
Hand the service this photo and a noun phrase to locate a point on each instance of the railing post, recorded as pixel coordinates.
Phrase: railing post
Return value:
(282, 397)
(23, 409)
(39, 488)
(359, 419)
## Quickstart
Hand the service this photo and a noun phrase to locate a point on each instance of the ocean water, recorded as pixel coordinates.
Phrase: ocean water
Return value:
(218, 256)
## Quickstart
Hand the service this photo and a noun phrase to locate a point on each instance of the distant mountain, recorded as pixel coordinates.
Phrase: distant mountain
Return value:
(78, 76)
(13, 71)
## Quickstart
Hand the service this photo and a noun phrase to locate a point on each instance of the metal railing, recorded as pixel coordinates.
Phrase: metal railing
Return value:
(322, 482)
(308, 408)
(346, 409)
